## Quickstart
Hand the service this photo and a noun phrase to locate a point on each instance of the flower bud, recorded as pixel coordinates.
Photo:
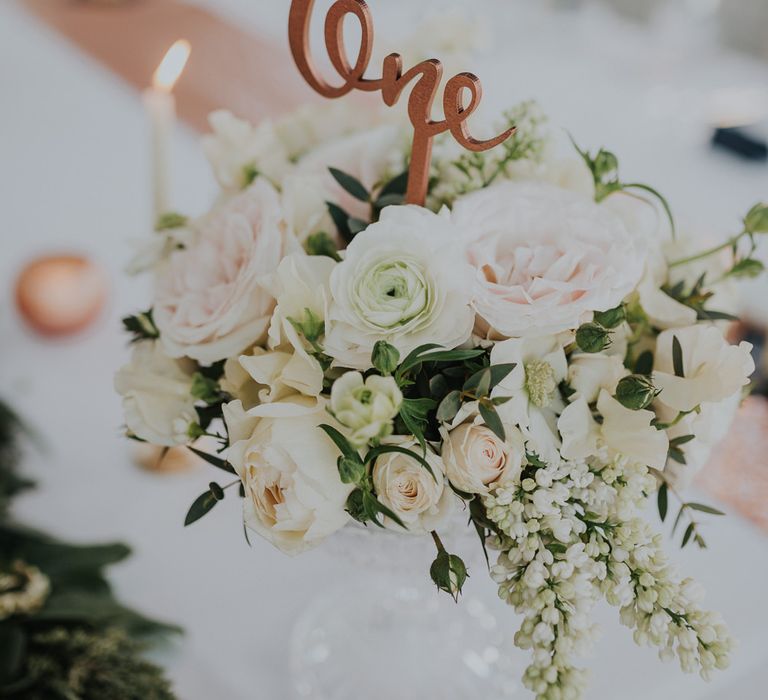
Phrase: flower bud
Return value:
(635, 391)
(610, 318)
(592, 337)
(385, 357)
(449, 573)
(757, 219)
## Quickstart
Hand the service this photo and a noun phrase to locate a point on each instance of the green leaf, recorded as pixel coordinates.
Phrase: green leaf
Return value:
(682, 440)
(747, 268)
(351, 184)
(677, 455)
(662, 501)
(756, 220)
(202, 504)
(356, 225)
(449, 407)
(492, 420)
(141, 326)
(341, 219)
(340, 441)
(13, 642)
(414, 413)
(687, 536)
(373, 506)
(678, 519)
(376, 452)
(428, 353)
(390, 200)
(396, 186)
(704, 509)
(677, 357)
(170, 220)
(217, 462)
(484, 381)
(644, 363)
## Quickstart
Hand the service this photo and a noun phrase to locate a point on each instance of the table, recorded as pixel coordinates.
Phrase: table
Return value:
(75, 178)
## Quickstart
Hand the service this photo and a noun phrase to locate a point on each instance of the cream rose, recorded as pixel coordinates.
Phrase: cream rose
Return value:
(545, 257)
(209, 301)
(713, 369)
(403, 280)
(476, 459)
(294, 497)
(157, 395)
(366, 406)
(406, 487)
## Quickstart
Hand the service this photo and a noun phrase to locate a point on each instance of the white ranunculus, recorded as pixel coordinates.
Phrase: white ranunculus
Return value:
(623, 431)
(209, 300)
(713, 368)
(372, 156)
(294, 497)
(533, 385)
(545, 257)
(157, 399)
(366, 406)
(422, 501)
(588, 373)
(476, 460)
(236, 146)
(403, 280)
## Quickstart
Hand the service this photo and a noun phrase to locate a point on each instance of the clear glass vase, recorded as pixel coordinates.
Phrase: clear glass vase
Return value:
(386, 633)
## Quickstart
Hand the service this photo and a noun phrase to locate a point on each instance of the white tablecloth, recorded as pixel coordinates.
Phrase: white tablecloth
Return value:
(74, 177)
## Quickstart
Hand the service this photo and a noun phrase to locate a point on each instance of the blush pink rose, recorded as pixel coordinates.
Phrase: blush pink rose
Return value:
(545, 257)
(210, 303)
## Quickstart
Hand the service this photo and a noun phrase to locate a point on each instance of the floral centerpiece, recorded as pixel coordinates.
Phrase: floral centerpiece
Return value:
(535, 347)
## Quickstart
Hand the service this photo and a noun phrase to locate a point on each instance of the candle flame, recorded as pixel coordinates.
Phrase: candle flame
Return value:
(172, 65)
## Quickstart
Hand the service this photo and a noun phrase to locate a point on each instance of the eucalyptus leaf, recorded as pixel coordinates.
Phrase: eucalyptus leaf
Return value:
(201, 505)
(350, 184)
(677, 357)
(217, 462)
(492, 420)
(662, 501)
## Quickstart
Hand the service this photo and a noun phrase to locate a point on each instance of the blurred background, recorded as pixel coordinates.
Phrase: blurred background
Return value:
(678, 89)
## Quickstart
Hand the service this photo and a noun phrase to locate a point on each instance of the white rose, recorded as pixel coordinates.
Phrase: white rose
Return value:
(371, 156)
(294, 497)
(367, 407)
(623, 431)
(545, 257)
(476, 459)
(236, 146)
(589, 373)
(403, 280)
(157, 399)
(713, 369)
(405, 486)
(209, 302)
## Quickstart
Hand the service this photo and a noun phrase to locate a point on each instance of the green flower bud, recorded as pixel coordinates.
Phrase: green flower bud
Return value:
(356, 506)
(592, 337)
(636, 392)
(605, 163)
(321, 244)
(351, 470)
(449, 573)
(757, 219)
(611, 318)
(385, 357)
(205, 389)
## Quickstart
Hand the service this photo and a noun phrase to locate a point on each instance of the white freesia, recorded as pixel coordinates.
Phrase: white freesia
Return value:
(300, 286)
(545, 257)
(540, 366)
(713, 368)
(294, 497)
(157, 395)
(477, 460)
(588, 373)
(237, 151)
(403, 280)
(366, 406)
(371, 156)
(709, 426)
(623, 431)
(209, 301)
(405, 486)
